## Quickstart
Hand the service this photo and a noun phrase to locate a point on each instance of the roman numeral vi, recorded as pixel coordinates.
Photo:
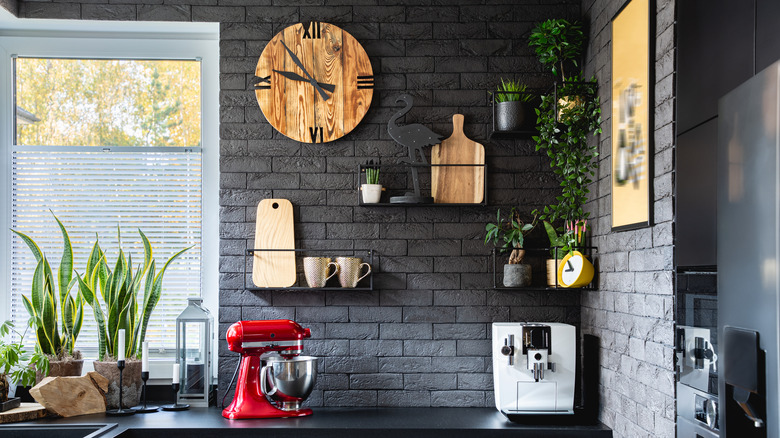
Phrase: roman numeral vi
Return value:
(314, 132)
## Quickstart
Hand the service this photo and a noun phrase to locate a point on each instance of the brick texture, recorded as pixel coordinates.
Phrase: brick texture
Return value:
(421, 338)
(11, 5)
(633, 311)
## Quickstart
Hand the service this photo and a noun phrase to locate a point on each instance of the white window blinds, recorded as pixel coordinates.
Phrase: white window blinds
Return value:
(92, 190)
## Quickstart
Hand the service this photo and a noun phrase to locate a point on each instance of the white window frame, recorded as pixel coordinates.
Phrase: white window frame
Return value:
(141, 40)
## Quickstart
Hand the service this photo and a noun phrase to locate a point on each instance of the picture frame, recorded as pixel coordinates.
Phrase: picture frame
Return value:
(632, 98)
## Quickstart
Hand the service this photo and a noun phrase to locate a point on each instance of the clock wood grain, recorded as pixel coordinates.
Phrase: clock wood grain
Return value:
(331, 56)
(328, 63)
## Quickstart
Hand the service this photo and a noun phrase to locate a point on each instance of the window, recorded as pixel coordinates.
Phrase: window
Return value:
(106, 130)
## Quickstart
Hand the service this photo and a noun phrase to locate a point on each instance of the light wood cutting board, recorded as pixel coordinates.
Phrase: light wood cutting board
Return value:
(25, 412)
(274, 229)
(458, 184)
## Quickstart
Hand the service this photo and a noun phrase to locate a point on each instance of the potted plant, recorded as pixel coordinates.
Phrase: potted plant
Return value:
(512, 105)
(510, 234)
(16, 366)
(557, 244)
(49, 303)
(566, 119)
(372, 190)
(120, 309)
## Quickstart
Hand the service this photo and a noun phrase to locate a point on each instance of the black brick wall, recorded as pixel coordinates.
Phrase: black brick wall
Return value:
(422, 337)
(11, 5)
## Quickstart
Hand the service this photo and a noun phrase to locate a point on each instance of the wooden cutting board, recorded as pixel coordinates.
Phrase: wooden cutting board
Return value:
(458, 184)
(25, 412)
(274, 230)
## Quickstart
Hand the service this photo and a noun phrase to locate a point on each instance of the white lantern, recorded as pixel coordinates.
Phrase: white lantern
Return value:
(193, 354)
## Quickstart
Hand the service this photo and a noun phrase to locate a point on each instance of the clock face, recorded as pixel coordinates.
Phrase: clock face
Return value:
(315, 82)
(575, 270)
(572, 268)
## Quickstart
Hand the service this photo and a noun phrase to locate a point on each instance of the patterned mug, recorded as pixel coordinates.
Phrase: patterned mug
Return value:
(349, 270)
(316, 270)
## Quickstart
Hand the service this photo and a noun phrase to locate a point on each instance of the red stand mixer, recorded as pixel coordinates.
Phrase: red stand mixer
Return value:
(287, 378)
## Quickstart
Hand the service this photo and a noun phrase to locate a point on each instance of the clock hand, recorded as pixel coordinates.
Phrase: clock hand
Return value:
(296, 77)
(571, 268)
(300, 65)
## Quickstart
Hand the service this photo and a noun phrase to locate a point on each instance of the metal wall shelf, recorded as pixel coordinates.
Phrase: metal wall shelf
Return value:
(541, 285)
(530, 128)
(367, 283)
(395, 192)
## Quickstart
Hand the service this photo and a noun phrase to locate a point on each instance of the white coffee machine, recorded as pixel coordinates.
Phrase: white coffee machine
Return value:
(534, 368)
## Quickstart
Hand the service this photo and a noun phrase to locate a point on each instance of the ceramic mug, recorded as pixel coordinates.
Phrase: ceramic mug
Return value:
(316, 270)
(349, 270)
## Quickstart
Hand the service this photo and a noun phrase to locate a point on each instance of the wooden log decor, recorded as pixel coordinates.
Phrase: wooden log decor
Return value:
(25, 412)
(72, 396)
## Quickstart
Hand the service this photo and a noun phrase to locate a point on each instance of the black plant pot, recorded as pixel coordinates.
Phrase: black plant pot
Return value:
(511, 116)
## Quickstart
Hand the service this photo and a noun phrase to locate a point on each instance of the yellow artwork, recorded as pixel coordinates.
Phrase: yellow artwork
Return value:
(631, 105)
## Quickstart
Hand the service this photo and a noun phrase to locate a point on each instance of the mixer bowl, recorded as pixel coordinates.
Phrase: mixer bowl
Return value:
(288, 382)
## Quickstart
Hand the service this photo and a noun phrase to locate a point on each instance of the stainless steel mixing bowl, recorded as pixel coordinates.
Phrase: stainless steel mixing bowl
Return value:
(288, 382)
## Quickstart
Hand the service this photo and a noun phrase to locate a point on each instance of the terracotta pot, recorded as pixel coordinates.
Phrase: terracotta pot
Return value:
(131, 383)
(62, 368)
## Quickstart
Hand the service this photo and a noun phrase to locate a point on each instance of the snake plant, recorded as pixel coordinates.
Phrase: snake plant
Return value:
(50, 300)
(114, 296)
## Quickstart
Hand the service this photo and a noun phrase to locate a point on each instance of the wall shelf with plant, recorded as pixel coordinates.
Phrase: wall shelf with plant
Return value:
(513, 111)
(569, 117)
(535, 256)
(397, 176)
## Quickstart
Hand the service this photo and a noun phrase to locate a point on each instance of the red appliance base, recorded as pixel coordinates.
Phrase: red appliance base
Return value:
(240, 413)
(249, 401)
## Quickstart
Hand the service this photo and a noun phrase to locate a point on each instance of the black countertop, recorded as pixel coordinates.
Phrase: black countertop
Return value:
(325, 423)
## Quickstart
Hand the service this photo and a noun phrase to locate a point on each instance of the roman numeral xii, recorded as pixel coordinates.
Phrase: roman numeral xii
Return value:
(312, 30)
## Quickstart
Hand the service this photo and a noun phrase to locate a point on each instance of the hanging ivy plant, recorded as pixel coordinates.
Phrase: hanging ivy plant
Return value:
(565, 119)
(563, 136)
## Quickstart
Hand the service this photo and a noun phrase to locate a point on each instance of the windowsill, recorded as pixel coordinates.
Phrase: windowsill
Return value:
(160, 370)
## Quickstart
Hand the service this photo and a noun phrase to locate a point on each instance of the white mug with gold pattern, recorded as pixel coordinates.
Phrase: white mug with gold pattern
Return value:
(316, 270)
(349, 270)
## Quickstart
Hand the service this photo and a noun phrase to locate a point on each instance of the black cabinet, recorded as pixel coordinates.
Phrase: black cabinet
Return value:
(696, 233)
(767, 41)
(714, 55)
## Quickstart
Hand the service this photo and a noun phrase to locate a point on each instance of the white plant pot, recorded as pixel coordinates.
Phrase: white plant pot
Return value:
(371, 193)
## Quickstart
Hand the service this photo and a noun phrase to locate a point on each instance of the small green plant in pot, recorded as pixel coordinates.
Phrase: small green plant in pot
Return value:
(371, 192)
(513, 110)
(114, 296)
(510, 234)
(17, 366)
(56, 313)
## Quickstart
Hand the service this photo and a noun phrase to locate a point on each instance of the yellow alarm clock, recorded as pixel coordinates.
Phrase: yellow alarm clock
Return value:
(575, 270)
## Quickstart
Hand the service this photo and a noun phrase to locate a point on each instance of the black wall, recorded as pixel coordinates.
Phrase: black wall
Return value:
(422, 337)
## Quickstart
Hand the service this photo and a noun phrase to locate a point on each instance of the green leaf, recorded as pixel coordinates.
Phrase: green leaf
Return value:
(154, 295)
(65, 273)
(37, 292)
(92, 262)
(30, 244)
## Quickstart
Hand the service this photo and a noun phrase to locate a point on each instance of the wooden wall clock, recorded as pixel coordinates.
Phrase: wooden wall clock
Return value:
(315, 82)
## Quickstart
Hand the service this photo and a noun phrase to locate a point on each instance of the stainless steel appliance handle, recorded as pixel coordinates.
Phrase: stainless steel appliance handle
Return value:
(264, 381)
